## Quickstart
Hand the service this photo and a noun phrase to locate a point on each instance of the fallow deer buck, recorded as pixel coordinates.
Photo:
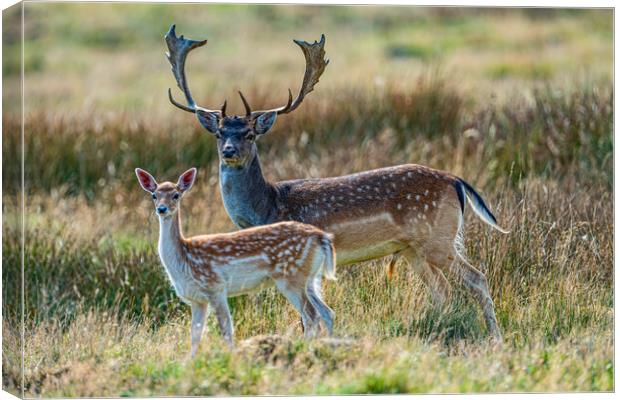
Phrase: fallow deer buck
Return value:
(206, 270)
(408, 210)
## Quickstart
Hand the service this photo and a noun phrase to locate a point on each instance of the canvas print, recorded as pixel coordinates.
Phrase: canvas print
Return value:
(229, 200)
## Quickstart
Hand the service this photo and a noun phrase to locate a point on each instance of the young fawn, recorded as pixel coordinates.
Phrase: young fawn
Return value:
(205, 270)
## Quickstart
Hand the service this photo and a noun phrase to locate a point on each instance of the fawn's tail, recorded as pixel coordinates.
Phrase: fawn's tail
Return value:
(327, 246)
(477, 203)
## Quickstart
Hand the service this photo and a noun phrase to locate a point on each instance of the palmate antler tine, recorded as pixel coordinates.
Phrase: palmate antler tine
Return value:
(178, 48)
(315, 66)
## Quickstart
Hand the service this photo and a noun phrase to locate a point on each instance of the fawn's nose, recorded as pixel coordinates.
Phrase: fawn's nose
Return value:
(162, 210)
(229, 151)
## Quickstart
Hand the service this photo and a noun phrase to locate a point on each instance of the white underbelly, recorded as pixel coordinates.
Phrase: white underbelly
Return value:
(246, 276)
(368, 252)
(366, 238)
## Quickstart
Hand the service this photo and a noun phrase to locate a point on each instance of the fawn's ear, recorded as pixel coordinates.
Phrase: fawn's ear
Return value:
(186, 180)
(146, 180)
(209, 120)
(264, 122)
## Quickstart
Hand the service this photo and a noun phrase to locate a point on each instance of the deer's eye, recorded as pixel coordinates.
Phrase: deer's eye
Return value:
(250, 136)
(154, 196)
(175, 196)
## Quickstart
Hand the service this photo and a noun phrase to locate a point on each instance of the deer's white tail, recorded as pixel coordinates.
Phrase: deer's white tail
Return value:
(329, 265)
(477, 203)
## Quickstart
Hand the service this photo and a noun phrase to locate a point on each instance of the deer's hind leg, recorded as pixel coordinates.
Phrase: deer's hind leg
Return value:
(478, 286)
(296, 295)
(433, 278)
(449, 256)
(313, 289)
(219, 303)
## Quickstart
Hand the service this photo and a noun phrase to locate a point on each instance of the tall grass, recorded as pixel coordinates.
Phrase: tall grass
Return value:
(102, 320)
(544, 164)
(553, 133)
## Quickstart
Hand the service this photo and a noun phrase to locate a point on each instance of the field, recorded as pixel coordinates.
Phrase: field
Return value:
(518, 102)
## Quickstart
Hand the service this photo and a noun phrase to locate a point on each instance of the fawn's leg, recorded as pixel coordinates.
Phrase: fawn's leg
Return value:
(313, 289)
(298, 298)
(219, 302)
(199, 312)
(312, 315)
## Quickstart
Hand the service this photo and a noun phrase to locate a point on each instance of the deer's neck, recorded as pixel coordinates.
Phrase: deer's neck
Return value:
(248, 198)
(170, 246)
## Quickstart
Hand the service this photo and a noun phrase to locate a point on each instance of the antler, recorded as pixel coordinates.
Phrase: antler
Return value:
(315, 65)
(178, 48)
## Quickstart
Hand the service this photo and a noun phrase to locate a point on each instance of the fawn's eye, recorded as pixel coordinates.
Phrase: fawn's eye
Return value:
(154, 196)
(250, 136)
(175, 196)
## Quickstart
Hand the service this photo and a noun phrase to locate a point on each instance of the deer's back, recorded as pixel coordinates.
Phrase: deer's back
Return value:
(254, 253)
(372, 213)
(325, 201)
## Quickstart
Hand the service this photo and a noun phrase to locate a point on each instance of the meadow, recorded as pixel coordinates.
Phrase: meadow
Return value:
(517, 102)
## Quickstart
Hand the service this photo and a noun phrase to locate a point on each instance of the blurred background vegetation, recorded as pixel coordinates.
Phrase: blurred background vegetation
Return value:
(85, 57)
(424, 72)
(517, 101)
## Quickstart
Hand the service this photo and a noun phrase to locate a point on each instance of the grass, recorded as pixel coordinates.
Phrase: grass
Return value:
(112, 361)
(101, 317)
(575, 127)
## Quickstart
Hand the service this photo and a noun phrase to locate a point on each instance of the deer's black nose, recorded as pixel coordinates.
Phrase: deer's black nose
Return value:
(229, 152)
(162, 209)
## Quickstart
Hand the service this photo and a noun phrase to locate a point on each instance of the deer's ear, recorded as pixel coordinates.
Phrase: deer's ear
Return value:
(146, 180)
(264, 122)
(186, 180)
(208, 119)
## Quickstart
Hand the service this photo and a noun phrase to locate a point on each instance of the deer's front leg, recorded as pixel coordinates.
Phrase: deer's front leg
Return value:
(219, 302)
(199, 312)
